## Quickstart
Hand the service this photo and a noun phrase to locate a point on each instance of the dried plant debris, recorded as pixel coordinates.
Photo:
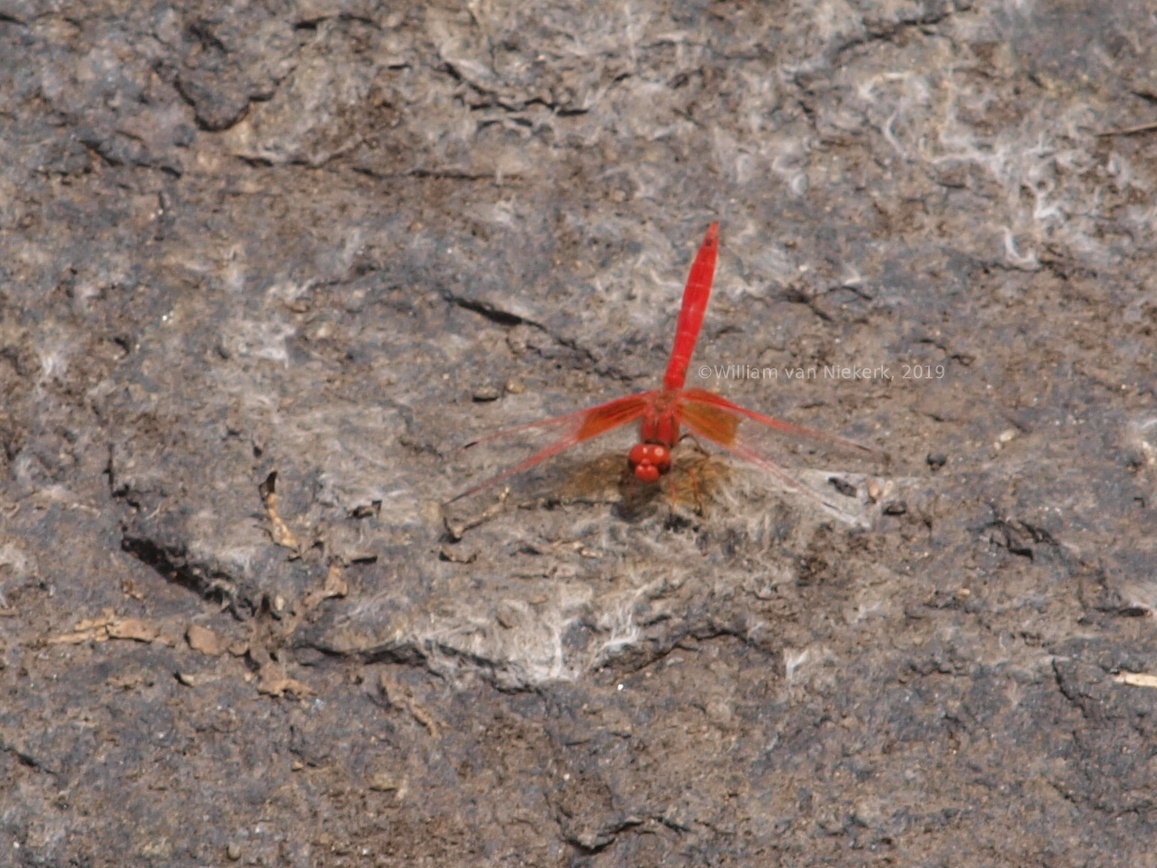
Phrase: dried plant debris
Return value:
(278, 529)
(110, 626)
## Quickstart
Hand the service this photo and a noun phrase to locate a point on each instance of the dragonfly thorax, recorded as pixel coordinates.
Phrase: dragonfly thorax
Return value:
(659, 423)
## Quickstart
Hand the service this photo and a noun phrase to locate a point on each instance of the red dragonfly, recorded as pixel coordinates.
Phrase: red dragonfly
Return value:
(663, 413)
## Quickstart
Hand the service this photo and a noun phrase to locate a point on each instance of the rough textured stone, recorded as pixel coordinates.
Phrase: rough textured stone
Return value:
(297, 241)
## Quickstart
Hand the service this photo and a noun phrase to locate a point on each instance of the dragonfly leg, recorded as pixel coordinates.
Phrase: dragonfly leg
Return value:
(675, 482)
(687, 435)
(696, 491)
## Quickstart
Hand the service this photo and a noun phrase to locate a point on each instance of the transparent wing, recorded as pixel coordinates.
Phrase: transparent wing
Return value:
(701, 398)
(571, 430)
(716, 419)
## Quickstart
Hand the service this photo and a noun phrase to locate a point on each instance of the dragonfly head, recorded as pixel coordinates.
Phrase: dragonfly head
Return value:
(649, 461)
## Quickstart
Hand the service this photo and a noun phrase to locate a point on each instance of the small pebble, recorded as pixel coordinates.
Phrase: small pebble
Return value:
(936, 460)
(485, 393)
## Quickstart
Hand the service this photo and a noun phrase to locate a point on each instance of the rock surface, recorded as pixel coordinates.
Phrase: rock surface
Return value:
(266, 267)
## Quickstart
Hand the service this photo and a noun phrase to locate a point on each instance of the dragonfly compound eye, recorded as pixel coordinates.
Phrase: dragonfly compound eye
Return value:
(649, 461)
